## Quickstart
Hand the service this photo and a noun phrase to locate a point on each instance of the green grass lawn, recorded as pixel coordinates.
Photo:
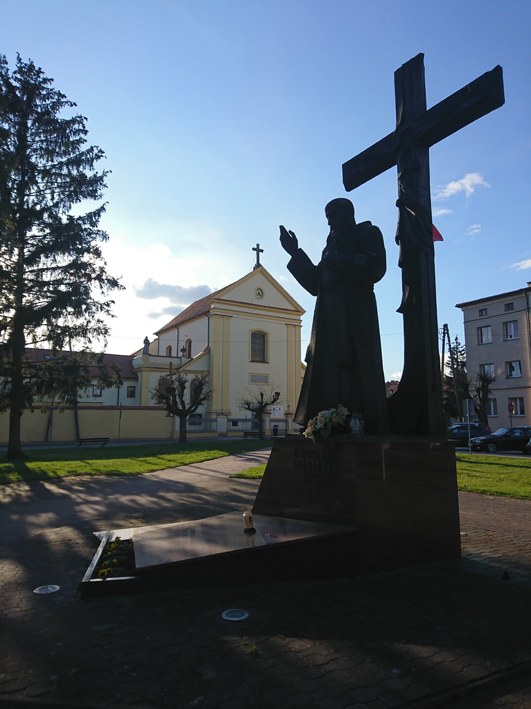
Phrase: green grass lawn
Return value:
(119, 460)
(489, 475)
(494, 475)
(251, 473)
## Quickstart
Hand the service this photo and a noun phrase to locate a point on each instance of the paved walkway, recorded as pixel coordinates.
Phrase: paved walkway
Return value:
(450, 634)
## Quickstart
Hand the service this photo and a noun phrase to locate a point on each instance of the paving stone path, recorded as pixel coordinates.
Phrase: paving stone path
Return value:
(450, 634)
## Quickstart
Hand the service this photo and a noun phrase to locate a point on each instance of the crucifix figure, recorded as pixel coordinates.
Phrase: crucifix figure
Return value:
(416, 408)
(258, 252)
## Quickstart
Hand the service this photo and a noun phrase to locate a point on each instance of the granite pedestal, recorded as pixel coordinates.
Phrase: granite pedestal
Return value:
(400, 494)
(342, 506)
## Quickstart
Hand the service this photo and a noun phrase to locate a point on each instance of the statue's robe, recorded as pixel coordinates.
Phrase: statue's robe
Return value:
(344, 357)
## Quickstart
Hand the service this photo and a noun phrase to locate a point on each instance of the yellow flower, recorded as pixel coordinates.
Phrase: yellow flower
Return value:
(104, 573)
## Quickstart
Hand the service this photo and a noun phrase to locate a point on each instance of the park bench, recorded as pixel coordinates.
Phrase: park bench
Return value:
(103, 441)
(256, 434)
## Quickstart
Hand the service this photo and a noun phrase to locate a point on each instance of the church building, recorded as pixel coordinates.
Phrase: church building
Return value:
(244, 335)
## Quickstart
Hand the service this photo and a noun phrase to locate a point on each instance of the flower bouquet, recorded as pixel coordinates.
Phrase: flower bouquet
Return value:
(326, 422)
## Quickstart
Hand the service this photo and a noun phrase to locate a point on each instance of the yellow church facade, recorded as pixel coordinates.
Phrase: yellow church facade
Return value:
(246, 336)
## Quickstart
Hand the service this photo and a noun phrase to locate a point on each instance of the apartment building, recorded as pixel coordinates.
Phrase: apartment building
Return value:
(498, 341)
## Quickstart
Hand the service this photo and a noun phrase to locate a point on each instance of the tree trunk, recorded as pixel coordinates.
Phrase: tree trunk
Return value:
(182, 429)
(14, 447)
(76, 419)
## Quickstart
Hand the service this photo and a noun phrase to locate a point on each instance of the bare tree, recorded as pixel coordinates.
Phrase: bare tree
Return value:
(171, 391)
(482, 392)
(257, 401)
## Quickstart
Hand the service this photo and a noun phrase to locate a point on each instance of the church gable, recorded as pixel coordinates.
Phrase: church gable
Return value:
(259, 289)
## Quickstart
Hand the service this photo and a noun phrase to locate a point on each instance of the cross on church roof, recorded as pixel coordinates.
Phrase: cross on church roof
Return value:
(258, 252)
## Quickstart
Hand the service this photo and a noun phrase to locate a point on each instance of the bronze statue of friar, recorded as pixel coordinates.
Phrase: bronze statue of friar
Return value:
(344, 357)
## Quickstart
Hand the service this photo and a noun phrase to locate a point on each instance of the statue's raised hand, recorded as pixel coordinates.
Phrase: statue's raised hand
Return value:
(289, 241)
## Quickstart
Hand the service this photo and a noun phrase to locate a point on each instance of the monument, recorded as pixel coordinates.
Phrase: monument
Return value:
(399, 493)
(416, 408)
(344, 358)
(348, 505)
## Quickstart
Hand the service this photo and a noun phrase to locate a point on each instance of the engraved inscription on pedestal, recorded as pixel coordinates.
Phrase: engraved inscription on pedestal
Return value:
(313, 481)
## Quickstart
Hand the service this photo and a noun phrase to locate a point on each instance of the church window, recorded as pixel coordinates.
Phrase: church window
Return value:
(96, 391)
(195, 390)
(131, 392)
(168, 351)
(188, 349)
(258, 347)
(259, 378)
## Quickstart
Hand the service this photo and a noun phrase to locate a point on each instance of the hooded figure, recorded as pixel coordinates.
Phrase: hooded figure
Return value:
(344, 357)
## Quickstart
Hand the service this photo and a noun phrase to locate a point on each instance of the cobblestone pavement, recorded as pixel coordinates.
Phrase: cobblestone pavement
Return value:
(450, 634)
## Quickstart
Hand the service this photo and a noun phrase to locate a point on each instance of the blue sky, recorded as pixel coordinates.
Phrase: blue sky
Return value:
(223, 119)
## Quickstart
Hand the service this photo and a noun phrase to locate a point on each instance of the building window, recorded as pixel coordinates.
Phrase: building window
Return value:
(168, 351)
(492, 407)
(96, 391)
(508, 306)
(513, 369)
(131, 392)
(482, 312)
(510, 330)
(258, 347)
(518, 403)
(259, 378)
(486, 369)
(162, 386)
(484, 335)
(188, 349)
(195, 419)
(195, 390)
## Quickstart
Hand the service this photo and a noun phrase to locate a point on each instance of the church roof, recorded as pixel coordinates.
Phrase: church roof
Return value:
(39, 354)
(192, 311)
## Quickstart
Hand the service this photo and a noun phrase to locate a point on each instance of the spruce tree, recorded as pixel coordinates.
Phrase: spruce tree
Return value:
(54, 285)
(461, 383)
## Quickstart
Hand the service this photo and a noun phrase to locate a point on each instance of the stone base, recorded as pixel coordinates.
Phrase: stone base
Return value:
(399, 493)
(341, 507)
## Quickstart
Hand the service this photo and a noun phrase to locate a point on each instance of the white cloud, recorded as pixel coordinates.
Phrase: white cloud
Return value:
(473, 229)
(466, 184)
(177, 295)
(160, 281)
(396, 377)
(522, 265)
(440, 211)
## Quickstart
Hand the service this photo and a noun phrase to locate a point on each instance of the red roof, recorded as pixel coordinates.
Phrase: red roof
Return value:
(124, 361)
(192, 311)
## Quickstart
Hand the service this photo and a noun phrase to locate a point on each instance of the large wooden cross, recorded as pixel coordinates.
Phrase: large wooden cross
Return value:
(416, 408)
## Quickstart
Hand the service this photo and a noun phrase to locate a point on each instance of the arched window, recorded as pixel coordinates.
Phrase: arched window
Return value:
(162, 387)
(168, 351)
(188, 349)
(259, 347)
(195, 390)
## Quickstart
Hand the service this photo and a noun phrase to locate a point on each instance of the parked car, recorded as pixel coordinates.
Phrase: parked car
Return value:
(528, 447)
(504, 439)
(458, 432)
